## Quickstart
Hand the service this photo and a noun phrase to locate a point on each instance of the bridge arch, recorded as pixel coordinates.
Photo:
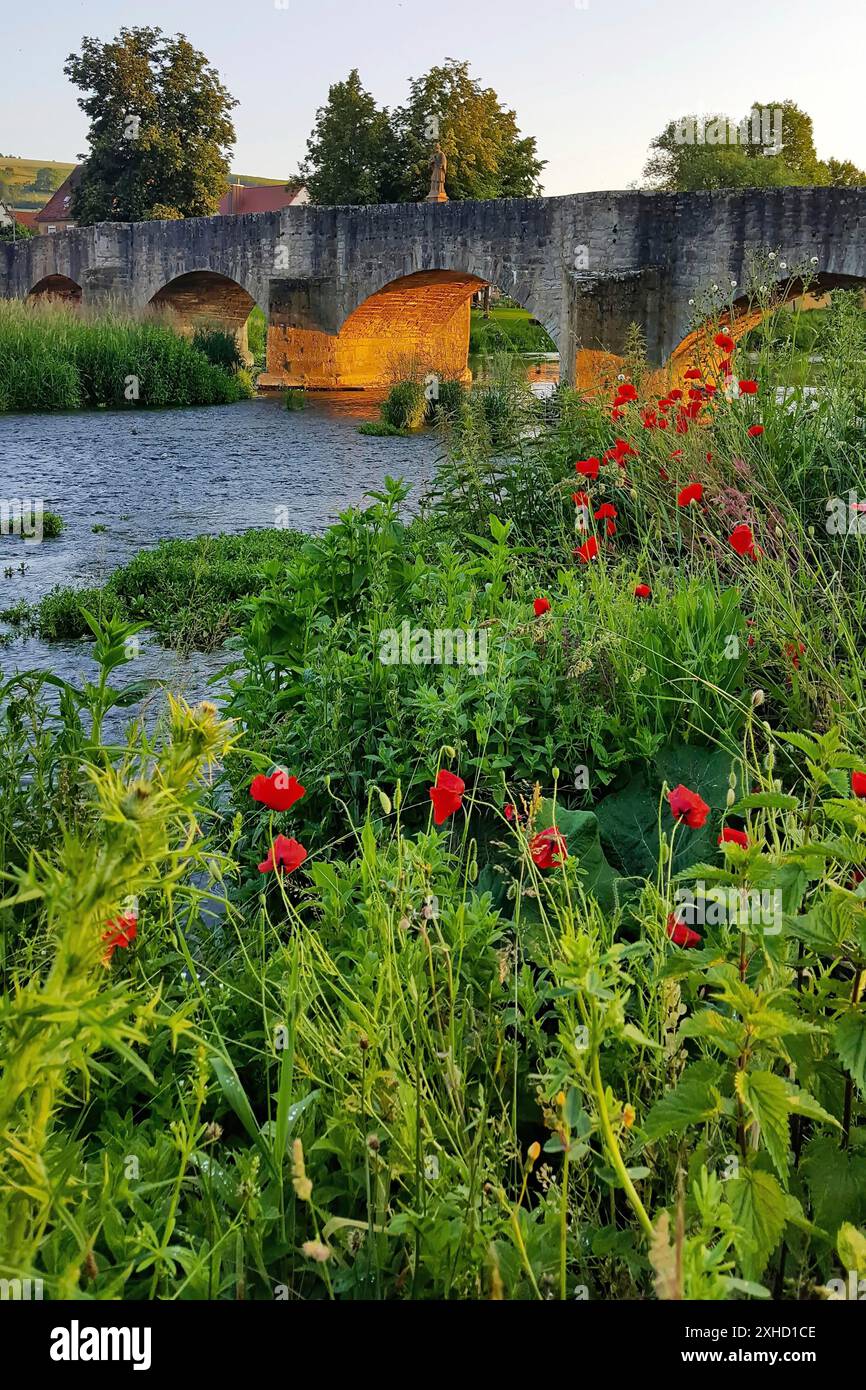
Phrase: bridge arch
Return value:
(206, 297)
(56, 287)
(413, 322)
(697, 346)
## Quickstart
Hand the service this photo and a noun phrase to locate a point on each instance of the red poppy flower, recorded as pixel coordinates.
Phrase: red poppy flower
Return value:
(755, 430)
(642, 591)
(693, 374)
(607, 512)
(588, 551)
(794, 650)
(693, 493)
(663, 424)
(279, 791)
(580, 499)
(729, 836)
(624, 449)
(548, 849)
(627, 392)
(742, 540)
(858, 783)
(680, 934)
(749, 388)
(283, 854)
(120, 932)
(541, 605)
(616, 414)
(665, 477)
(725, 342)
(509, 810)
(687, 806)
(588, 468)
(677, 454)
(676, 395)
(446, 795)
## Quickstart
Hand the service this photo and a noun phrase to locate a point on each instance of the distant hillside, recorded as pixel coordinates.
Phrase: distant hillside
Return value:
(18, 177)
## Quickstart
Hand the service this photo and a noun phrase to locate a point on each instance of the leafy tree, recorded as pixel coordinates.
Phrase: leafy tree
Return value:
(46, 180)
(487, 157)
(690, 165)
(359, 153)
(17, 233)
(160, 128)
(351, 151)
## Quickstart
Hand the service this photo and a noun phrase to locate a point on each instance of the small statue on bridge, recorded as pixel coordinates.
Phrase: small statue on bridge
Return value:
(438, 167)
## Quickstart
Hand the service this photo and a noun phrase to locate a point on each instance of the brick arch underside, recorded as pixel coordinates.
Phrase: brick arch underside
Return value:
(204, 297)
(697, 346)
(412, 325)
(56, 287)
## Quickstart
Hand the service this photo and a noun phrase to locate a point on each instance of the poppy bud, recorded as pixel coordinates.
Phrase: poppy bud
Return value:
(731, 797)
(757, 698)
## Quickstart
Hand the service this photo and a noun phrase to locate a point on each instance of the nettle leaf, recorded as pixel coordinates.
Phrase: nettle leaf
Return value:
(726, 1033)
(849, 1038)
(765, 1098)
(760, 1211)
(694, 1101)
(836, 1181)
(851, 1246)
(802, 1103)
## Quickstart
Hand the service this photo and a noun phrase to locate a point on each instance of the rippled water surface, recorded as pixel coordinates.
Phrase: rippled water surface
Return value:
(146, 476)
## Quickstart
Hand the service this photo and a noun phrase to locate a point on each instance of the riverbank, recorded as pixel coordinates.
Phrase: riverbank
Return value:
(57, 357)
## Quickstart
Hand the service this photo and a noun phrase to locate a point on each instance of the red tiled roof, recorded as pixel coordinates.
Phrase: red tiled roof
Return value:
(59, 205)
(238, 198)
(24, 219)
(259, 198)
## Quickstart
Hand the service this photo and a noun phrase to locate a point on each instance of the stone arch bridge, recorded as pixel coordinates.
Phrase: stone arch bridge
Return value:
(349, 292)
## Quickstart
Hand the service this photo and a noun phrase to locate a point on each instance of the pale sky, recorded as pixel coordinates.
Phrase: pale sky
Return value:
(594, 84)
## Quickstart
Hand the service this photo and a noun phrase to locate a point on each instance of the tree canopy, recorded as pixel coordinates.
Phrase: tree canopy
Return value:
(160, 128)
(361, 153)
(706, 152)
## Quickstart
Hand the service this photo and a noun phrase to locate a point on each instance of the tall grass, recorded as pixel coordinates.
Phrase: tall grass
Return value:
(54, 357)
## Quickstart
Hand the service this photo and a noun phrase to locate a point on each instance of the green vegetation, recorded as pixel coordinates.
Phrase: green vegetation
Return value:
(52, 525)
(361, 153)
(18, 178)
(507, 329)
(160, 128)
(191, 593)
(405, 406)
(533, 973)
(775, 150)
(53, 357)
(295, 398)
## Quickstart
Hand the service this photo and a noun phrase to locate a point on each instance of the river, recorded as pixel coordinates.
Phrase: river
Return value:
(146, 476)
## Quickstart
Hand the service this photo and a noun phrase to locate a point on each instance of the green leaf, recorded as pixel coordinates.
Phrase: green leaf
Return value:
(759, 1208)
(836, 1182)
(693, 1102)
(802, 1103)
(237, 1098)
(581, 832)
(851, 1245)
(765, 1097)
(849, 1037)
